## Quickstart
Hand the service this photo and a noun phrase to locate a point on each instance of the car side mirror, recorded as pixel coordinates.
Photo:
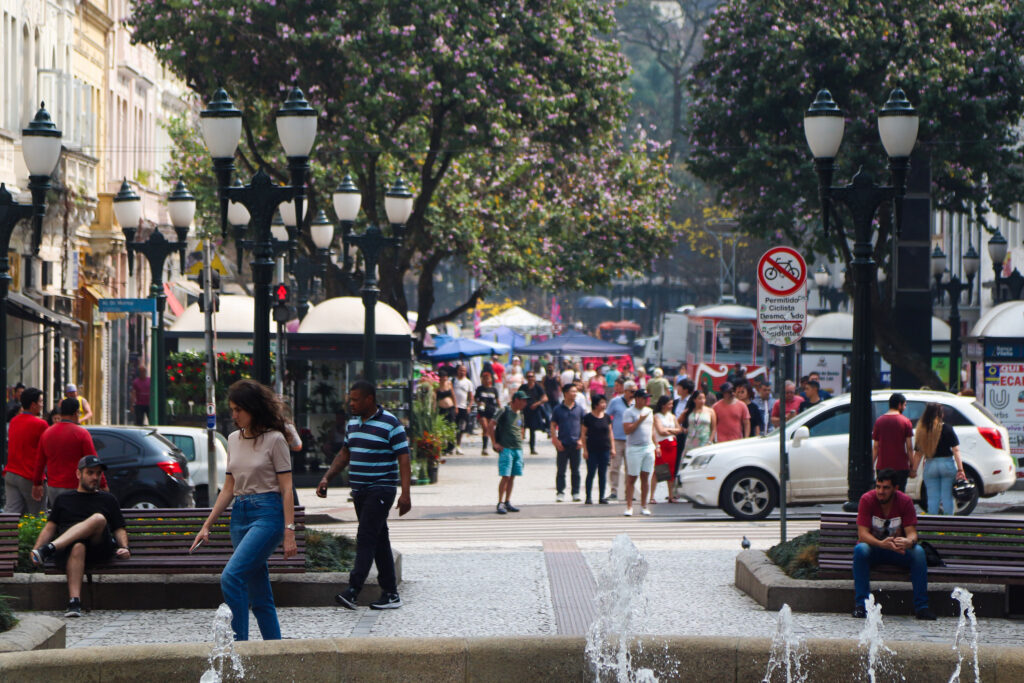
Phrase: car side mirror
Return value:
(800, 434)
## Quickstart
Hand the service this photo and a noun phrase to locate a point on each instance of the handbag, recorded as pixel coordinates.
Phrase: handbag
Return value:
(662, 472)
(931, 555)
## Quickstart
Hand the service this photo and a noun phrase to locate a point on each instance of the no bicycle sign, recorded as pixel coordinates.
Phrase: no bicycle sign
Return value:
(781, 296)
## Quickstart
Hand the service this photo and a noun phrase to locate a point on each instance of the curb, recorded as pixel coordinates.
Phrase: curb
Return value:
(34, 632)
(770, 587)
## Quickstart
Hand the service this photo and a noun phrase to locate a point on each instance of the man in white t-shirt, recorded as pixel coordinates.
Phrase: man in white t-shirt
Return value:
(463, 387)
(637, 423)
(568, 374)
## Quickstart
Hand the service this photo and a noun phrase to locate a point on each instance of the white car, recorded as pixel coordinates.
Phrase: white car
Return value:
(193, 443)
(742, 477)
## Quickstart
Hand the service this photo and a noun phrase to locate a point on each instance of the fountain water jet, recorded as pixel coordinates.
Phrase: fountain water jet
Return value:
(788, 651)
(223, 653)
(966, 629)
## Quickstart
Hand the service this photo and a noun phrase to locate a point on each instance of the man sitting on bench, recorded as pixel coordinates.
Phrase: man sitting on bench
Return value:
(81, 530)
(887, 534)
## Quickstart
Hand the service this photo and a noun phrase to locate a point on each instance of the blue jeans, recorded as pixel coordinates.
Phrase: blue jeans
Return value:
(866, 556)
(939, 475)
(257, 528)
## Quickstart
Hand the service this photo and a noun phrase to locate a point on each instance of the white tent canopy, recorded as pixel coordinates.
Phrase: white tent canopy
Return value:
(519, 320)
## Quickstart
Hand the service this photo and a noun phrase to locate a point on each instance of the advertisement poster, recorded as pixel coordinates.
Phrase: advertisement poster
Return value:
(940, 364)
(1004, 397)
(828, 365)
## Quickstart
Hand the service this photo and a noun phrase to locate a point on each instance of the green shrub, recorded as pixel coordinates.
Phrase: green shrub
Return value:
(7, 620)
(29, 527)
(329, 552)
(797, 557)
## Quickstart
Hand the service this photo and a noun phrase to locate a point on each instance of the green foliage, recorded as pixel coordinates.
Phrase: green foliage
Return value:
(798, 557)
(7, 619)
(329, 552)
(960, 64)
(430, 430)
(505, 116)
(29, 527)
(186, 375)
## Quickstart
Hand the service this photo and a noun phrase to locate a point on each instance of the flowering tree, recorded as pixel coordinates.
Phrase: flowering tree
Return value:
(505, 114)
(959, 62)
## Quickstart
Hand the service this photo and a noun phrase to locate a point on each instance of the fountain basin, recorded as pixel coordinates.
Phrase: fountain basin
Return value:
(511, 659)
(34, 632)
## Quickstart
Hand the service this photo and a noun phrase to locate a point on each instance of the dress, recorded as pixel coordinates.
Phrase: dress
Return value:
(698, 432)
(666, 444)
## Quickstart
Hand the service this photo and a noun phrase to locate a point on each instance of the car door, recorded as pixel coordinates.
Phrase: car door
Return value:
(817, 465)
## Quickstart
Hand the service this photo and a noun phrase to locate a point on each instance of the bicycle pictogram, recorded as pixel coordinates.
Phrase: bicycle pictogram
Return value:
(782, 271)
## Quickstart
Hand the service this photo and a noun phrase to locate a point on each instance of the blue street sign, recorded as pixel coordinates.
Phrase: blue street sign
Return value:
(211, 421)
(128, 306)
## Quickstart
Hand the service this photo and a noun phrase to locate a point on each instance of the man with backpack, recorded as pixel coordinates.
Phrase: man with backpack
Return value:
(508, 442)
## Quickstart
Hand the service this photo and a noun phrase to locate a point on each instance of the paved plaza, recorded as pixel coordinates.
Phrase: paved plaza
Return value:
(470, 572)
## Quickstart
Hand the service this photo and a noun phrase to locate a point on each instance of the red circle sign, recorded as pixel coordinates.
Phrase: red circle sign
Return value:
(782, 271)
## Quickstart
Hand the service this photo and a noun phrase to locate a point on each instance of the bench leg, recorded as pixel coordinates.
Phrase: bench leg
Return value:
(1015, 601)
(92, 591)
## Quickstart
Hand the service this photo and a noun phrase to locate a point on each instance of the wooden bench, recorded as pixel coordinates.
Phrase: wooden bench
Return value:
(8, 543)
(975, 550)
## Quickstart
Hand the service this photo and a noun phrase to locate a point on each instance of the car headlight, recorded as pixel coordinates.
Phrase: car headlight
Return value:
(701, 461)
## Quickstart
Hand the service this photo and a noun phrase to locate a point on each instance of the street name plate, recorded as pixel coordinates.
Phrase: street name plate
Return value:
(127, 306)
(781, 296)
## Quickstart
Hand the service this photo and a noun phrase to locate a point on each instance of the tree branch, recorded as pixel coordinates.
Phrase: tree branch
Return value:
(456, 312)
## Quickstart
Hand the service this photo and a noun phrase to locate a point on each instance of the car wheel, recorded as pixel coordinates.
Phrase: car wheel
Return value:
(145, 502)
(749, 494)
(962, 508)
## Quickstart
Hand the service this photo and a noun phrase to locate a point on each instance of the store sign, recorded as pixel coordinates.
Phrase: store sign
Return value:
(829, 367)
(1004, 350)
(1004, 397)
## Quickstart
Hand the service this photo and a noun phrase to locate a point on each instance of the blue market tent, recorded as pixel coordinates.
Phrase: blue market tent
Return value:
(466, 348)
(594, 302)
(630, 303)
(574, 343)
(504, 335)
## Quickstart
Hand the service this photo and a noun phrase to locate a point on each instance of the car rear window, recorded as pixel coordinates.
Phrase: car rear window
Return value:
(980, 407)
(186, 443)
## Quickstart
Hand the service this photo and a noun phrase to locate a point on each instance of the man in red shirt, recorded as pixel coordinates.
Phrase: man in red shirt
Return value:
(497, 369)
(22, 453)
(887, 534)
(793, 403)
(733, 416)
(893, 441)
(60, 449)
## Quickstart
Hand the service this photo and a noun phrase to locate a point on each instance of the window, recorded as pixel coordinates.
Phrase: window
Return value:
(186, 443)
(833, 423)
(111, 449)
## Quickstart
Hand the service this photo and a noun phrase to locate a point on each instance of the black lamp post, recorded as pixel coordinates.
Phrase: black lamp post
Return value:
(997, 252)
(897, 127)
(40, 146)
(181, 206)
(398, 205)
(955, 288)
(296, 127)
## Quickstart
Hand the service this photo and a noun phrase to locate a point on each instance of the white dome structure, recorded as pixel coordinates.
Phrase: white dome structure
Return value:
(345, 315)
(840, 326)
(1002, 321)
(235, 315)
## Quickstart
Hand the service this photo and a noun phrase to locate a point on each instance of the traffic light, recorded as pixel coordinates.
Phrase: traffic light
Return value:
(282, 310)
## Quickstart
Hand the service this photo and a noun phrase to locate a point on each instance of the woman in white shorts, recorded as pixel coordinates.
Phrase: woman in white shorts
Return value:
(638, 423)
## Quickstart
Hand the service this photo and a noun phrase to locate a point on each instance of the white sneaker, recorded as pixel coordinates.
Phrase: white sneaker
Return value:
(576, 498)
(458, 451)
(559, 497)
(645, 511)
(628, 512)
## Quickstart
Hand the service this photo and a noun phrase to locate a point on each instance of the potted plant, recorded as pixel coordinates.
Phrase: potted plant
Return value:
(430, 431)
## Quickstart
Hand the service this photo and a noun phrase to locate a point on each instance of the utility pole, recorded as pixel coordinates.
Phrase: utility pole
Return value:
(211, 372)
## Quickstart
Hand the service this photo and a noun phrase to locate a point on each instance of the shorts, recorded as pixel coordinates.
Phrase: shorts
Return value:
(462, 420)
(639, 459)
(95, 553)
(510, 462)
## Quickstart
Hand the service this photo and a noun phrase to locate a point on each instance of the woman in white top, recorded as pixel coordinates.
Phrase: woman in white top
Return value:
(514, 378)
(666, 428)
(259, 480)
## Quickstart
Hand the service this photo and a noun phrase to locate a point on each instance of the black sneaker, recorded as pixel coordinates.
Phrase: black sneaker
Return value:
(588, 502)
(860, 613)
(612, 497)
(42, 554)
(603, 501)
(387, 601)
(926, 614)
(510, 507)
(501, 509)
(347, 598)
(74, 609)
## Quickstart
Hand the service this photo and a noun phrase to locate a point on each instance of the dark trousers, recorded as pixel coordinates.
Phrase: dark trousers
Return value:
(899, 479)
(141, 412)
(372, 541)
(597, 463)
(533, 440)
(571, 457)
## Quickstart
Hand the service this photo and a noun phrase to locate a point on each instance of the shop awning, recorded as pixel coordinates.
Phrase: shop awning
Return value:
(20, 306)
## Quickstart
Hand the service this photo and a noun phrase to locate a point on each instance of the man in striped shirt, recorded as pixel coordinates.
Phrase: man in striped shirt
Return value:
(376, 451)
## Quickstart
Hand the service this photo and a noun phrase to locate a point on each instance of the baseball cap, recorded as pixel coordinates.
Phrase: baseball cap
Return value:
(521, 394)
(69, 388)
(641, 393)
(90, 461)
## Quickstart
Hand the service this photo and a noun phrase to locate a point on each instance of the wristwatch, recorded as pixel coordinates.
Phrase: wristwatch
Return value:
(290, 527)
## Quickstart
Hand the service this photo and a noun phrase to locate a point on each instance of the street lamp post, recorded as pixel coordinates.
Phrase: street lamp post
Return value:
(897, 127)
(40, 146)
(997, 252)
(296, 127)
(955, 288)
(398, 204)
(181, 206)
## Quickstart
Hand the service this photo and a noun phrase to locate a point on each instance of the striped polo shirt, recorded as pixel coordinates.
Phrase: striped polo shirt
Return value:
(374, 446)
